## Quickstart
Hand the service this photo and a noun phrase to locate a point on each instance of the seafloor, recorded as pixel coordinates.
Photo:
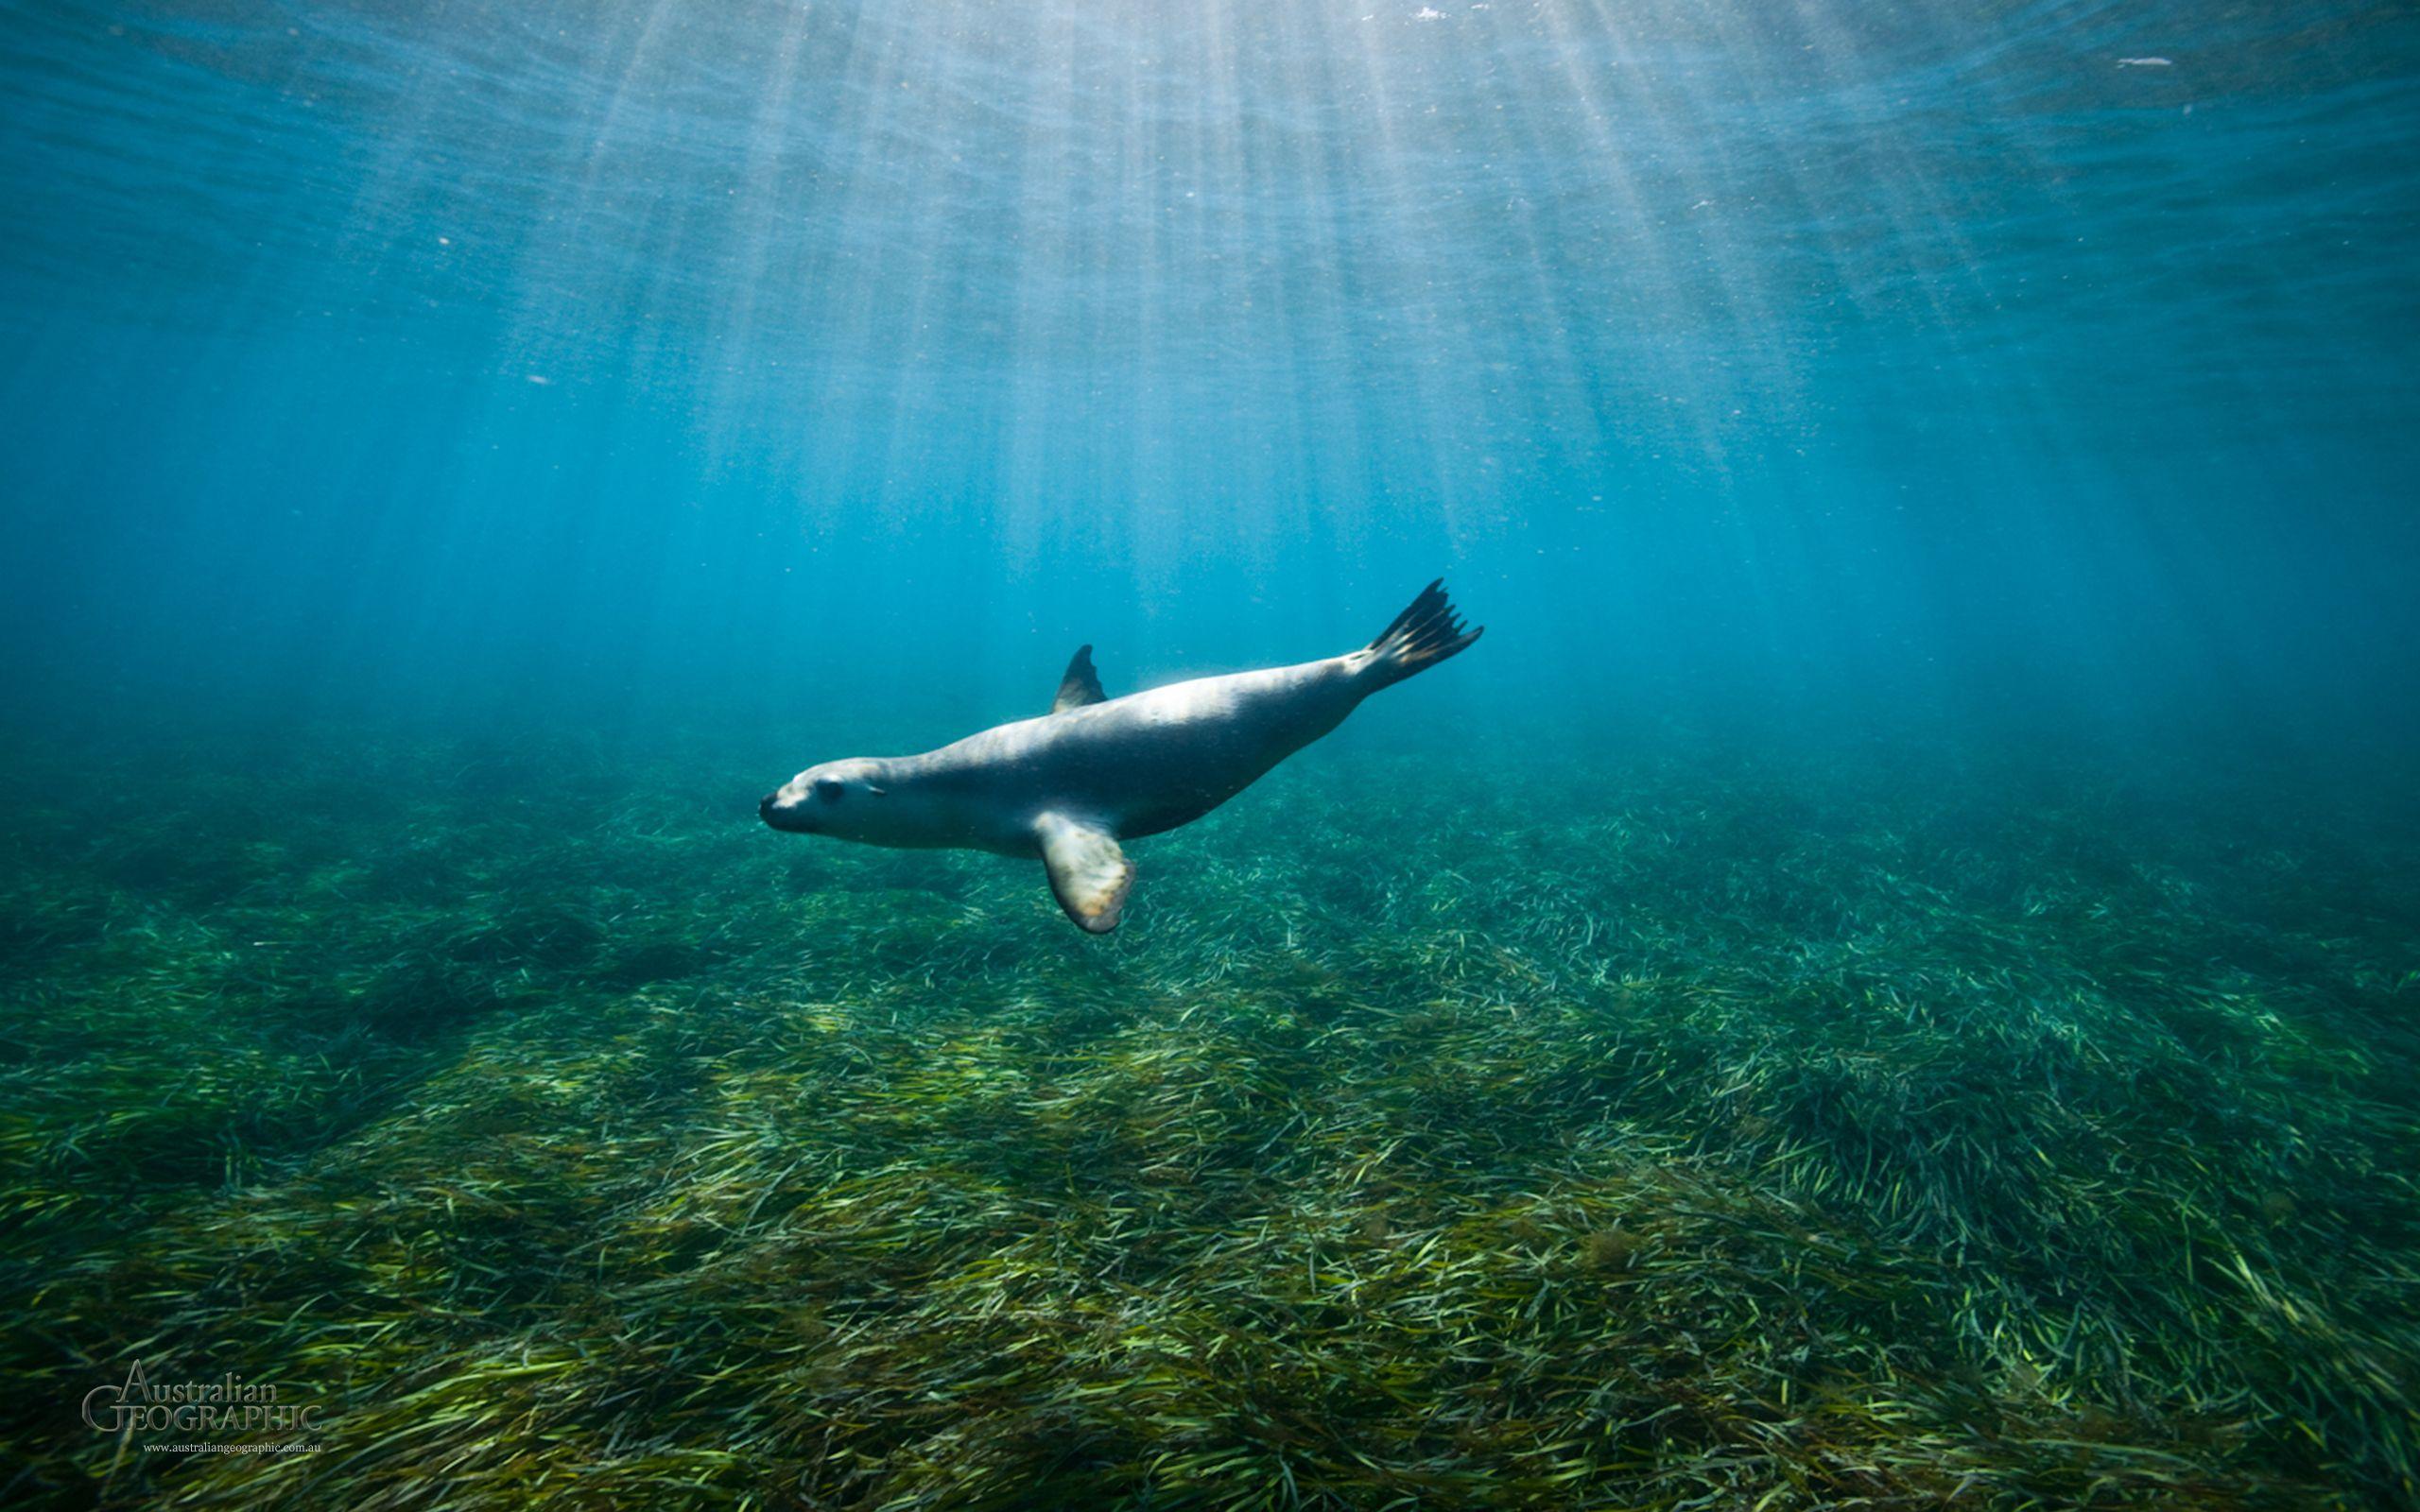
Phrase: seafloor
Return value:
(1693, 1130)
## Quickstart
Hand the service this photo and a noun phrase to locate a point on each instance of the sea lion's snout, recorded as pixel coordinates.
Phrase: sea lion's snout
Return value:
(783, 816)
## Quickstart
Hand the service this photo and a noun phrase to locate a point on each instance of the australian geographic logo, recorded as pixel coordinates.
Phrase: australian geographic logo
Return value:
(228, 1405)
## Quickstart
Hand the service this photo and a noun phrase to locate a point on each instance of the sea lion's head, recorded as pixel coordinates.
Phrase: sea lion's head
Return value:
(833, 798)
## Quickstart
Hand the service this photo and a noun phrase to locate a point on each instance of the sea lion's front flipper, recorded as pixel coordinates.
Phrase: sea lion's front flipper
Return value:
(1089, 874)
(1081, 686)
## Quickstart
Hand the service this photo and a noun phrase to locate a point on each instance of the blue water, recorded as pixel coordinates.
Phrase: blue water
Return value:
(1886, 978)
(1803, 366)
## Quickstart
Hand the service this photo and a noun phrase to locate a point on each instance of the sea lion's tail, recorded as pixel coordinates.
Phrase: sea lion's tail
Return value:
(1422, 635)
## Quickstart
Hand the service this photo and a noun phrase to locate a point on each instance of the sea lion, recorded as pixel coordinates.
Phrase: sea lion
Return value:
(1095, 770)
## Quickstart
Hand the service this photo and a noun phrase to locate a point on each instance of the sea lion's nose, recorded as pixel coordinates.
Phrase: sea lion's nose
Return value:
(764, 806)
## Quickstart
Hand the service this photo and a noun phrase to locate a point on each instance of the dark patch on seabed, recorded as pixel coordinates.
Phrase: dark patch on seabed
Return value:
(1683, 1133)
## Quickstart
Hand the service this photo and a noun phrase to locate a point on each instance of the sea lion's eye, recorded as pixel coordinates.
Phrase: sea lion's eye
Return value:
(828, 789)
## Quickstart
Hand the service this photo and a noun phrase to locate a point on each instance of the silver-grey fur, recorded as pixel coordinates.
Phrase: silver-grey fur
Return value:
(1067, 785)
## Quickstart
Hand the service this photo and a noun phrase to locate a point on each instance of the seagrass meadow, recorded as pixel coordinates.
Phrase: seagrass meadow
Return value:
(1703, 1128)
(1889, 980)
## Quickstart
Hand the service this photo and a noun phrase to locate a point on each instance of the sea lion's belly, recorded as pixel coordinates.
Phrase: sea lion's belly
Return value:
(1164, 758)
(1149, 762)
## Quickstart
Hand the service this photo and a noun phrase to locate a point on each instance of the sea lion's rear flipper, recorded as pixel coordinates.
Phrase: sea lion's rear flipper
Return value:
(1081, 686)
(1426, 632)
(1089, 874)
